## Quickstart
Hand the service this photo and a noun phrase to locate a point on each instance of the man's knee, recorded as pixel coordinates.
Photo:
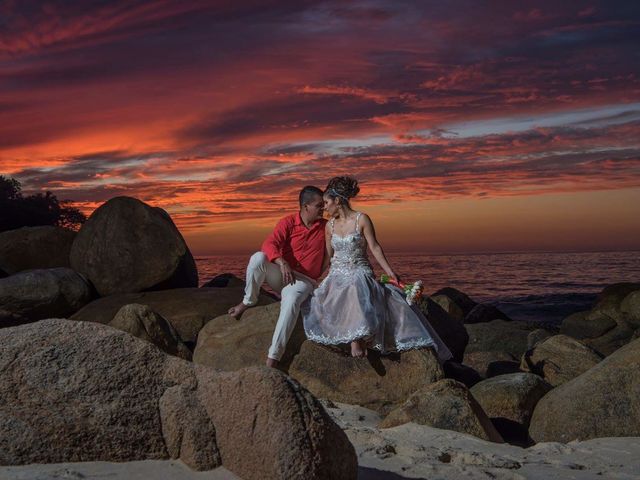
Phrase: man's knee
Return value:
(297, 293)
(258, 259)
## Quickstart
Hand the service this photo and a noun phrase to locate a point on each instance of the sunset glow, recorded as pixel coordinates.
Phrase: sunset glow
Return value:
(509, 127)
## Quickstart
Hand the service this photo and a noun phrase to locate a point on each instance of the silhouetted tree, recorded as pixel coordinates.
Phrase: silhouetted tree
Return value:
(18, 211)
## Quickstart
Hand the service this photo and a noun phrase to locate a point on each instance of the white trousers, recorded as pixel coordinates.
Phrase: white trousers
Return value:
(259, 270)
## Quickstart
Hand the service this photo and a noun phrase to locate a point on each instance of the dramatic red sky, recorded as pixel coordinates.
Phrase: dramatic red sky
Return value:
(472, 126)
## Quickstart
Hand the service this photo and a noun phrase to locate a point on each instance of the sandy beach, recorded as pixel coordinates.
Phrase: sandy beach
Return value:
(416, 451)
(406, 451)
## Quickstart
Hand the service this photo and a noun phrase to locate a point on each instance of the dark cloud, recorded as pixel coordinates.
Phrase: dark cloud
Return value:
(87, 168)
(281, 115)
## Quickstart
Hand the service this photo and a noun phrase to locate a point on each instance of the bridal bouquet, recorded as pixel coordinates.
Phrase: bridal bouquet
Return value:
(413, 290)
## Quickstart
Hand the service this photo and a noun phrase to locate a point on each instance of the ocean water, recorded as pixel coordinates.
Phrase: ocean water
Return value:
(536, 287)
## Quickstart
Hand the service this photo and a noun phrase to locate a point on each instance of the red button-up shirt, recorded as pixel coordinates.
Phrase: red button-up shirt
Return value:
(301, 247)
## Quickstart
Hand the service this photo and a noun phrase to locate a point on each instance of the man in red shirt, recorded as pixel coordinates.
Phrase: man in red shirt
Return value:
(290, 261)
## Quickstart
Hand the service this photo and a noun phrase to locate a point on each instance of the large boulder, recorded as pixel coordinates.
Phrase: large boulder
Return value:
(127, 246)
(490, 364)
(558, 359)
(484, 312)
(229, 344)
(498, 336)
(449, 329)
(612, 321)
(449, 306)
(462, 373)
(448, 405)
(630, 308)
(611, 297)
(613, 339)
(80, 391)
(602, 402)
(187, 309)
(142, 322)
(509, 401)
(224, 280)
(376, 382)
(10, 319)
(30, 248)
(37, 294)
(536, 336)
(582, 325)
(461, 300)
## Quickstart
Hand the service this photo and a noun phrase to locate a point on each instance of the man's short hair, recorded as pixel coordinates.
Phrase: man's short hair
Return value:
(307, 194)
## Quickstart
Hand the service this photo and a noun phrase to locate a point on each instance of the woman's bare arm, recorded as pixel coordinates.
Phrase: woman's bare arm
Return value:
(370, 235)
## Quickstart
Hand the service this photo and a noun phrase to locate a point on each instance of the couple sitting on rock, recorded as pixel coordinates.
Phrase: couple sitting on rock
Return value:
(349, 306)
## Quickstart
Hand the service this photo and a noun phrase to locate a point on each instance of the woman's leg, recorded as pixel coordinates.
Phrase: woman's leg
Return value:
(359, 348)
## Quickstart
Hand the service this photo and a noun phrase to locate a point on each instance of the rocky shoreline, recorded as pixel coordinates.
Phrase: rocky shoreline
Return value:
(110, 353)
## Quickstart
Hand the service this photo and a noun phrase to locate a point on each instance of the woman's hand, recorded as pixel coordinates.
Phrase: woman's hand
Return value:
(394, 277)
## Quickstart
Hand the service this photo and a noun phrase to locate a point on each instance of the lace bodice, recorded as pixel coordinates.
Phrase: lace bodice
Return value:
(349, 251)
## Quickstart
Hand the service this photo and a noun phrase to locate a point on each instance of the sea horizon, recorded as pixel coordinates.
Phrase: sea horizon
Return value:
(502, 252)
(539, 287)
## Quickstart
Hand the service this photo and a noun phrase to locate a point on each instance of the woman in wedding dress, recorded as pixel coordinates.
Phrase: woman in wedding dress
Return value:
(350, 306)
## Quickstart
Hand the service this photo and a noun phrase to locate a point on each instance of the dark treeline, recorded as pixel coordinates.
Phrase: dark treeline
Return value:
(17, 210)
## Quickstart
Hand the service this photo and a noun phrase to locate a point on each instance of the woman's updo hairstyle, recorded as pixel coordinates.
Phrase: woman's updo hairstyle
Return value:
(344, 188)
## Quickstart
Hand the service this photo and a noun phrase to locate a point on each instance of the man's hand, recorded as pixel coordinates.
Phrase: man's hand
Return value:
(287, 273)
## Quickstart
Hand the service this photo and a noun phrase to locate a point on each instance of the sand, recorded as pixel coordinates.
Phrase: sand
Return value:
(141, 470)
(417, 451)
(405, 451)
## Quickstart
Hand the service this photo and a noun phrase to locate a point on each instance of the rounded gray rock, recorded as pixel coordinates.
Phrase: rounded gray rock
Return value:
(228, 344)
(446, 404)
(376, 382)
(487, 364)
(630, 307)
(457, 297)
(498, 336)
(142, 322)
(30, 248)
(581, 325)
(38, 294)
(484, 312)
(536, 336)
(450, 329)
(512, 396)
(559, 358)
(128, 246)
(449, 306)
(602, 402)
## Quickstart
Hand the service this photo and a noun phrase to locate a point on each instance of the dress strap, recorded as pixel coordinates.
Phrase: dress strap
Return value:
(331, 222)
(357, 218)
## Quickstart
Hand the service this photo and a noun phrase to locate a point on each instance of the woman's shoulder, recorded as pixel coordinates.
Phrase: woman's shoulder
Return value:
(363, 217)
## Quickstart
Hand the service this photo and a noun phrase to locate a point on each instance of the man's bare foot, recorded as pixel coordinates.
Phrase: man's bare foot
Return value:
(236, 311)
(272, 363)
(358, 349)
